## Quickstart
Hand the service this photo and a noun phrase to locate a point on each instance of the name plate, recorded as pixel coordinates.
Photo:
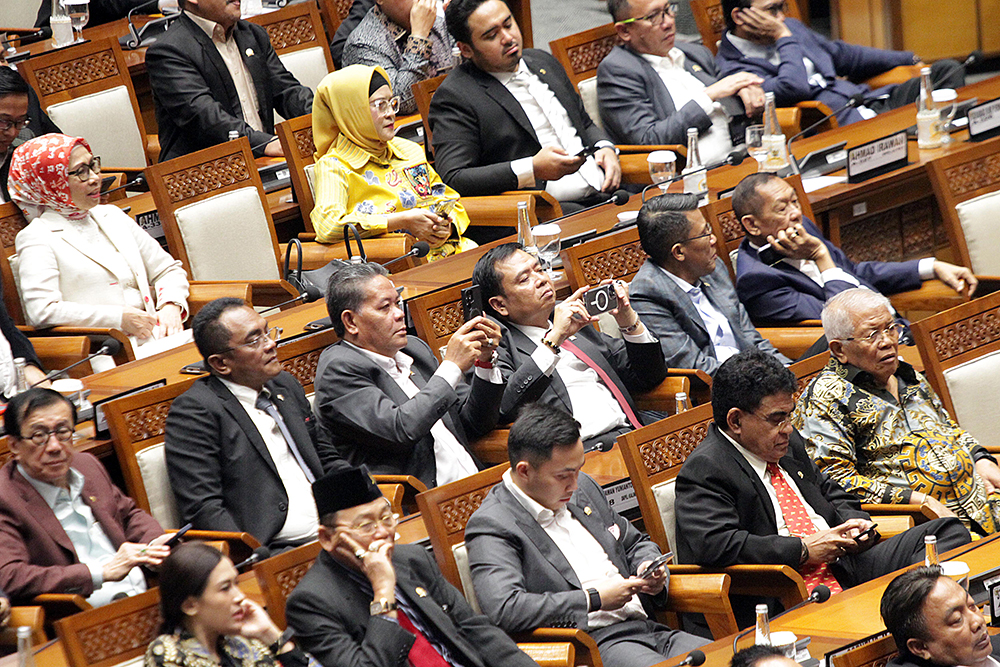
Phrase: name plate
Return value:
(150, 222)
(984, 120)
(621, 496)
(876, 157)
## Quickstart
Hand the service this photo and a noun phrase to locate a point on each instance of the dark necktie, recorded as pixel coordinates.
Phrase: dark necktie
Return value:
(264, 403)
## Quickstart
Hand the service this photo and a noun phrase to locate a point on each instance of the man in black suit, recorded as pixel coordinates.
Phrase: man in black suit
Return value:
(21, 118)
(212, 74)
(239, 443)
(502, 121)
(683, 292)
(749, 493)
(368, 601)
(548, 353)
(934, 621)
(381, 397)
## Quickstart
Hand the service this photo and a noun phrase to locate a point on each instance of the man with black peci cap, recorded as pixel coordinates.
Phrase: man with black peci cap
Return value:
(366, 601)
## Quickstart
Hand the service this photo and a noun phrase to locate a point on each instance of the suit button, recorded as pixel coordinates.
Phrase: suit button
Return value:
(282, 507)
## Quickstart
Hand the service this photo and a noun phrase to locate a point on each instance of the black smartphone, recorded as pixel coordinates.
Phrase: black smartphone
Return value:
(657, 562)
(197, 368)
(587, 151)
(866, 536)
(176, 538)
(769, 256)
(600, 299)
(472, 302)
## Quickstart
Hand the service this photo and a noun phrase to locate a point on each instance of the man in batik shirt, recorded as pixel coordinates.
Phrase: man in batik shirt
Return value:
(876, 426)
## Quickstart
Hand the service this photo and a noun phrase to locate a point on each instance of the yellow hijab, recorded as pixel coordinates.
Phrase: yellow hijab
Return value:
(341, 107)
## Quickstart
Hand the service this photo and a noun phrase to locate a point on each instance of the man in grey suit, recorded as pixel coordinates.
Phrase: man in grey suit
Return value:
(546, 549)
(381, 397)
(683, 293)
(652, 89)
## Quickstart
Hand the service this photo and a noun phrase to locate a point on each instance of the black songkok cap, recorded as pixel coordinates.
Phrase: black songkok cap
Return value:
(344, 488)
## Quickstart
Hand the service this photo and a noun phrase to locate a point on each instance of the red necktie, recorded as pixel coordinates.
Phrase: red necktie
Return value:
(422, 653)
(799, 524)
(608, 382)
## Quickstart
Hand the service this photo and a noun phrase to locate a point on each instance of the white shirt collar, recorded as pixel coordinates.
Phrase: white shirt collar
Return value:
(505, 77)
(243, 393)
(758, 464)
(674, 59)
(207, 25)
(537, 512)
(752, 49)
(399, 364)
(535, 334)
(683, 284)
(50, 492)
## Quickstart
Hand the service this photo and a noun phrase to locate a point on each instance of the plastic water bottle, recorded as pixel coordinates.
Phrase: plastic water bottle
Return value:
(25, 652)
(928, 117)
(524, 235)
(762, 633)
(695, 174)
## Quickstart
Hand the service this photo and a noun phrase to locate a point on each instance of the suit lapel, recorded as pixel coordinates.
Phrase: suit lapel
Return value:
(596, 527)
(538, 536)
(681, 298)
(744, 466)
(525, 346)
(499, 93)
(423, 369)
(43, 513)
(297, 429)
(211, 54)
(239, 414)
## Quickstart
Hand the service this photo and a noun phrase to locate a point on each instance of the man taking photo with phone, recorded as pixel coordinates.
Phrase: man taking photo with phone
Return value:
(549, 353)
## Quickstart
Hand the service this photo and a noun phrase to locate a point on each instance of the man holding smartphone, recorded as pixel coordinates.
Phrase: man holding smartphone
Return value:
(550, 353)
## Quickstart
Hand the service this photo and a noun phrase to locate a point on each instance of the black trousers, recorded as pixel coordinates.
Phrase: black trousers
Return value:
(944, 74)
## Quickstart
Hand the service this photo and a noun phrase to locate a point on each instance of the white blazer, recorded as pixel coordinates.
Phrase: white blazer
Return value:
(62, 283)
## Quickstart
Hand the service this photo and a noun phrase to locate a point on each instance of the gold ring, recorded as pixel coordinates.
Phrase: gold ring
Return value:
(372, 548)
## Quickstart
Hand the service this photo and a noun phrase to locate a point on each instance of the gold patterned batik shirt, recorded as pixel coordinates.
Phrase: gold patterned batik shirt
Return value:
(883, 450)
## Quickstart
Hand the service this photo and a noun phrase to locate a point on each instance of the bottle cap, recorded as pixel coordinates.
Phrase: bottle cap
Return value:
(761, 609)
(24, 632)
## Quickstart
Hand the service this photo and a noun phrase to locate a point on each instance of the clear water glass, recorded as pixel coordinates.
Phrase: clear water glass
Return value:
(548, 241)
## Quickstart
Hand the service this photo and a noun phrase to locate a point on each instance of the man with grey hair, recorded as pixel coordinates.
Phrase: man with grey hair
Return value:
(875, 425)
(381, 397)
(683, 293)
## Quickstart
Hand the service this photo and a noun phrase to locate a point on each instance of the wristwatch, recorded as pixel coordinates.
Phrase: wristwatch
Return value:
(285, 637)
(594, 598)
(382, 606)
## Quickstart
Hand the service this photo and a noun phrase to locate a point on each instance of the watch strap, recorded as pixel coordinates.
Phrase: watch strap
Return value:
(594, 599)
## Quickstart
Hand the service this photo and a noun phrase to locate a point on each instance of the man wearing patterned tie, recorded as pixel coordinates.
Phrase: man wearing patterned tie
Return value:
(549, 353)
(749, 493)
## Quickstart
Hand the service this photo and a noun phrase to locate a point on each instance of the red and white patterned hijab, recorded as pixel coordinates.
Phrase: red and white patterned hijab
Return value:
(39, 176)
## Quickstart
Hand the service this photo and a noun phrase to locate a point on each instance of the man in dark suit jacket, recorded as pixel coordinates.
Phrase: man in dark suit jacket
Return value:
(383, 400)
(39, 555)
(934, 621)
(230, 462)
(799, 64)
(535, 355)
(20, 109)
(368, 601)
(486, 140)
(682, 268)
(198, 102)
(786, 270)
(638, 107)
(546, 549)
(727, 506)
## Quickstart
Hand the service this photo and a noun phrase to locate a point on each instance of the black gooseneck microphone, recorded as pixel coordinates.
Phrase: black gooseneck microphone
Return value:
(819, 595)
(419, 249)
(134, 38)
(694, 658)
(109, 346)
(259, 554)
(309, 294)
(138, 180)
(619, 198)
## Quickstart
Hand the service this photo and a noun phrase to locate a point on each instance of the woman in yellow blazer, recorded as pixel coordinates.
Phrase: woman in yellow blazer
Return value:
(366, 176)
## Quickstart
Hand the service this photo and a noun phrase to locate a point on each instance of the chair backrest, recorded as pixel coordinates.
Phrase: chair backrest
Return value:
(437, 315)
(581, 53)
(729, 231)
(296, 137)
(113, 635)
(279, 575)
(300, 356)
(213, 199)
(711, 20)
(617, 255)
(423, 91)
(296, 33)
(11, 222)
(87, 91)
(961, 352)
(875, 653)
(967, 187)
(807, 369)
(334, 12)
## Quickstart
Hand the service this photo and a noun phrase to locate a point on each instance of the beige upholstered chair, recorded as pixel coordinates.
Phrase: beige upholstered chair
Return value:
(296, 33)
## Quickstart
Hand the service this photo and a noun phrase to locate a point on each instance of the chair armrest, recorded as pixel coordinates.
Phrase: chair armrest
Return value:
(31, 616)
(919, 513)
(547, 207)
(95, 334)
(492, 447)
(932, 295)
(706, 594)
(495, 210)
(584, 644)
(378, 249)
(61, 351)
(271, 292)
(792, 341)
(812, 111)
(895, 75)
(790, 120)
(661, 397)
(394, 494)
(200, 293)
(241, 545)
(411, 487)
(550, 654)
(779, 581)
(701, 383)
(61, 605)
(890, 525)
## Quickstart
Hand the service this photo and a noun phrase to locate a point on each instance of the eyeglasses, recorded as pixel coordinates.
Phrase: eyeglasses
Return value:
(84, 171)
(382, 106)
(18, 125)
(892, 332)
(774, 10)
(700, 236)
(64, 434)
(258, 341)
(777, 421)
(654, 18)
(370, 527)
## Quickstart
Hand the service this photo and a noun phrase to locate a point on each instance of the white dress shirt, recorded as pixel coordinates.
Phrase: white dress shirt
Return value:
(301, 521)
(451, 459)
(230, 52)
(717, 325)
(594, 406)
(92, 545)
(759, 466)
(715, 143)
(553, 127)
(589, 560)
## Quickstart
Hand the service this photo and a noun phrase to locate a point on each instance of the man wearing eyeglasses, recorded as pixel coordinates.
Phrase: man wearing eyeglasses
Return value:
(876, 426)
(64, 526)
(786, 270)
(240, 442)
(652, 88)
(799, 64)
(749, 493)
(369, 601)
(21, 118)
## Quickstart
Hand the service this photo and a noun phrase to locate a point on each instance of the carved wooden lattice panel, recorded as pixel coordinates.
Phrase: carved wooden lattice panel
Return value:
(917, 220)
(303, 367)
(587, 57)
(343, 8)
(966, 335)
(117, 637)
(206, 177)
(717, 17)
(974, 175)
(74, 73)
(291, 32)
(875, 238)
(10, 225)
(290, 578)
(732, 230)
(613, 263)
(456, 512)
(147, 422)
(446, 318)
(304, 142)
(673, 448)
